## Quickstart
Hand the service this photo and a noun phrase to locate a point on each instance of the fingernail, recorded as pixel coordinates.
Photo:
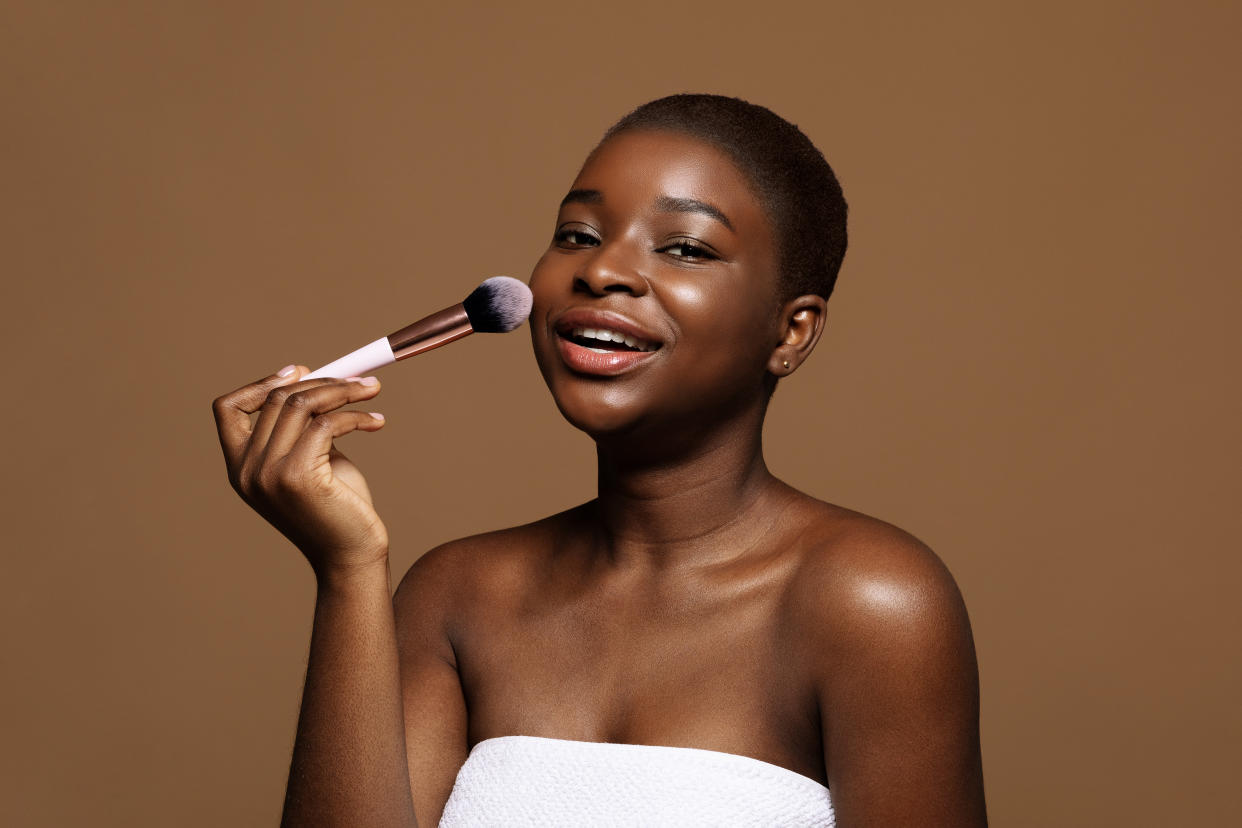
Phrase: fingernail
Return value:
(368, 381)
(286, 371)
(377, 415)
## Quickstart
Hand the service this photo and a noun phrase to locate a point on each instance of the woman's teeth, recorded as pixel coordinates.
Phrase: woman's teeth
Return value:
(600, 335)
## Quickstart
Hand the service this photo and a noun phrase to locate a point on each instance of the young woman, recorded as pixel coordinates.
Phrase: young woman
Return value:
(700, 640)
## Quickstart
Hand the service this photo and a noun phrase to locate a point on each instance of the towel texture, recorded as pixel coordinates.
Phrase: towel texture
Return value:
(531, 780)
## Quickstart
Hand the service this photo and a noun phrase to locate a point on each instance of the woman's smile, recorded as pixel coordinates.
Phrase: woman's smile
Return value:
(602, 343)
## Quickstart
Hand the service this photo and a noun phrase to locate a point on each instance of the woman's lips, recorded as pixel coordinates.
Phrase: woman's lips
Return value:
(583, 317)
(576, 328)
(585, 360)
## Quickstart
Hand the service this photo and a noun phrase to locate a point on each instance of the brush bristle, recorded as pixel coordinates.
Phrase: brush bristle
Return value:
(498, 305)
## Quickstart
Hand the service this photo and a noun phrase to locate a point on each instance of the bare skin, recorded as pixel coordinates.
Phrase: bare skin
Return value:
(697, 602)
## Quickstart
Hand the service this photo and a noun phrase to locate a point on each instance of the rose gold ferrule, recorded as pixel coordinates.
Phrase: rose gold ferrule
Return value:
(430, 332)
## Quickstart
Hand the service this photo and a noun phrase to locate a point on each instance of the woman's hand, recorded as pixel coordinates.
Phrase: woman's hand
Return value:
(286, 468)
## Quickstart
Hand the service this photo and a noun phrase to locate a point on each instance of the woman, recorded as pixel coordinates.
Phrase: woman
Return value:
(698, 602)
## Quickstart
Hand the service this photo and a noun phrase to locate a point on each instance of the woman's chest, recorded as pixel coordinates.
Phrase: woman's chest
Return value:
(714, 674)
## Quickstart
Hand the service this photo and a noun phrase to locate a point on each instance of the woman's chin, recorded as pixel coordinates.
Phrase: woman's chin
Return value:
(599, 422)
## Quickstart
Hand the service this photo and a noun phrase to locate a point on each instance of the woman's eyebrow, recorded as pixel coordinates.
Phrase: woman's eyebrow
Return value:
(582, 197)
(669, 204)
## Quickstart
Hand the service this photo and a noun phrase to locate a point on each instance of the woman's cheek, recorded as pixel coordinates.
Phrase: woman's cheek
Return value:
(688, 299)
(711, 315)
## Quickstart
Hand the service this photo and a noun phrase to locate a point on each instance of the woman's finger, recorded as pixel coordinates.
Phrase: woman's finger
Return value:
(302, 406)
(271, 411)
(314, 446)
(232, 412)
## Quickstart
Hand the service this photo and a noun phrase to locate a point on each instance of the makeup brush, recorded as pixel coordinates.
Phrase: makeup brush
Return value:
(498, 305)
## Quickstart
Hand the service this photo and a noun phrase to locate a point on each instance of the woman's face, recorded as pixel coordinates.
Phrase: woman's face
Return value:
(656, 302)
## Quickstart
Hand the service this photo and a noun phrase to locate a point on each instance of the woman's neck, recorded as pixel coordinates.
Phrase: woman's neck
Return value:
(698, 506)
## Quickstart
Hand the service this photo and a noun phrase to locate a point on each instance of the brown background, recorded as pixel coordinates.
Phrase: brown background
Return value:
(1031, 361)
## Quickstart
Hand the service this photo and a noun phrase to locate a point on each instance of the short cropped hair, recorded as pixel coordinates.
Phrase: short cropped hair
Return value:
(797, 189)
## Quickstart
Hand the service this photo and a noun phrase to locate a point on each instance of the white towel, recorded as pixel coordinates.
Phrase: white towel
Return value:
(531, 780)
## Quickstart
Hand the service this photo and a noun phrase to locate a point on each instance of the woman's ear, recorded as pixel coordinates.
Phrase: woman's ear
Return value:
(802, 321)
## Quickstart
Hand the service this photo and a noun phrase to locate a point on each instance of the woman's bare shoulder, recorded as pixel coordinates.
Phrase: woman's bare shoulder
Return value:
(889, 649)
(859, 576)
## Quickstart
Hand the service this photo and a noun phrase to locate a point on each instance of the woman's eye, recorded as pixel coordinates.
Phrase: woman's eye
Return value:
(687, 249)
(573, 237)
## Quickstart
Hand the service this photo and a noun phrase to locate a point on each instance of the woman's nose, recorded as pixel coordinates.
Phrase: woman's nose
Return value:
(610, 271)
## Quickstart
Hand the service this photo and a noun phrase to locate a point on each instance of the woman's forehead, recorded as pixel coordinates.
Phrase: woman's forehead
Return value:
(640, 168)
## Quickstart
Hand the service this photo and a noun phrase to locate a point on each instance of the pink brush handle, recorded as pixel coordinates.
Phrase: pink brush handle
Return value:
(359, 363)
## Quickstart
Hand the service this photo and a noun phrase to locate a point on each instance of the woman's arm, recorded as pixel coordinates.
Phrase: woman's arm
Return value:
(349, 761)
(426, 604)
(898, 689)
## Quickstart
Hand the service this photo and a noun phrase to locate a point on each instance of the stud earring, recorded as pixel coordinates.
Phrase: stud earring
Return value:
(786, 364)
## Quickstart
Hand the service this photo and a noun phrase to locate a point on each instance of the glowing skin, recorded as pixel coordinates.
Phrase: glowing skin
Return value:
(662, 238)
